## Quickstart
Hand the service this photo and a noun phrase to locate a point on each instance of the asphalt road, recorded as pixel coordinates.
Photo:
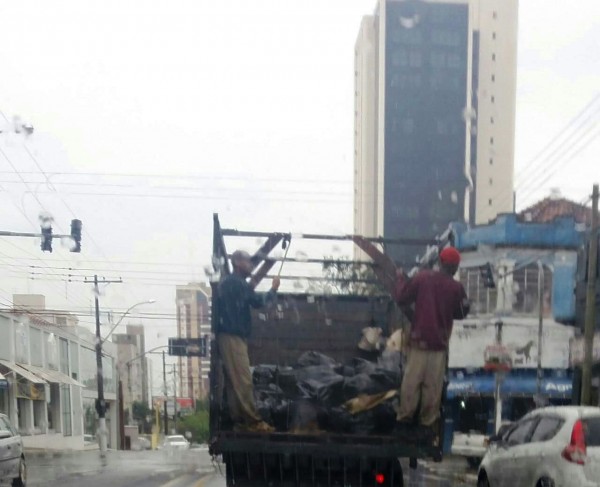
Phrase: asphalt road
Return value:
(193, 468)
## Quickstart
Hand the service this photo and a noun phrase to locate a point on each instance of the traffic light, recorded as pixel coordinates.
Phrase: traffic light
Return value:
(76, 235)
(46, 238)
(487, 274)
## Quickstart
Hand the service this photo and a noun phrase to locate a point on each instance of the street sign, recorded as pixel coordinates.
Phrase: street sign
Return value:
(189, 347)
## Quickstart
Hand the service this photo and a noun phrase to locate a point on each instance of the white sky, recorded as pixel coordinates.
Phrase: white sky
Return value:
(242, 108)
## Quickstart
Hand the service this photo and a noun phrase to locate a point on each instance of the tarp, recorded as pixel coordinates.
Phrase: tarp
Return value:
(485, 385)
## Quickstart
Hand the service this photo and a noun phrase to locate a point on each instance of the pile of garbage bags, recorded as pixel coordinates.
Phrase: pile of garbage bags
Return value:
(320, 395)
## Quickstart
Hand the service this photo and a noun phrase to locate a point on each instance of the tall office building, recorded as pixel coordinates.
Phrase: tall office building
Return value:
(435, 88)
(193, 321)
(133, 366)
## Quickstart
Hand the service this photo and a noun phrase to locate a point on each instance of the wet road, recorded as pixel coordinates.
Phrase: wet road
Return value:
(193, 468)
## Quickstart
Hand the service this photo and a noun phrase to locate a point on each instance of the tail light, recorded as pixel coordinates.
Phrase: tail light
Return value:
(576, 450)
(379, 479)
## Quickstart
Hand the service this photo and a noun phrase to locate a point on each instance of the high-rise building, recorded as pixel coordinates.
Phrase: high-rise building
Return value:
(193, 321)
(132, 364)
(434, 116)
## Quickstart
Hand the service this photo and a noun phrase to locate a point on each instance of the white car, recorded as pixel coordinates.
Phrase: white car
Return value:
(549, 447)
(12, 461)
(472, 445)
(175, 442)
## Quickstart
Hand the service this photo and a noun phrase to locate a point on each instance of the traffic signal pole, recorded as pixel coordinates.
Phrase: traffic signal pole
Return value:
(165, 414)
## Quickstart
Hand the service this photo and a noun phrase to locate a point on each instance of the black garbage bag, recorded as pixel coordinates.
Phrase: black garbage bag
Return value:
(280, 414)
(385, 418)
(361, 384)
(286, 380)
(345, 370)
(390, 360)
(305, 416)
(315, 358)
(362, 366)
(264, 374)
(340, 421)
(269, 391)
(386, 380)
(325, 388)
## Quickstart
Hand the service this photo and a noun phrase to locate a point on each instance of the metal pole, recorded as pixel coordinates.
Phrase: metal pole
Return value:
(100, 403)
(175, 396)
(121, 415)
(165, 415)
(540, 373)
(590, 305)
(498, 377)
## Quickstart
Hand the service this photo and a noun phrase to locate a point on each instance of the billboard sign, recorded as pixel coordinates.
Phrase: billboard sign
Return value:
(471, 338)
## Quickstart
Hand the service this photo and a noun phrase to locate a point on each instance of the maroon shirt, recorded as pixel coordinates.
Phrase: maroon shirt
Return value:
(438, 300)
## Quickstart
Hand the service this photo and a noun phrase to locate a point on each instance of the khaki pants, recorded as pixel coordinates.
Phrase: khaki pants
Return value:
(423, 381)
(238, 380)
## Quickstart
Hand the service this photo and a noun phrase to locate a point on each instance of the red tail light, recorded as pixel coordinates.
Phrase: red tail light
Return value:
(576, 450)
(379, 479)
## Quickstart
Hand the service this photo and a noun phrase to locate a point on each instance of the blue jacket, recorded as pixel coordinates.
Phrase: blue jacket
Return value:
(236, 297)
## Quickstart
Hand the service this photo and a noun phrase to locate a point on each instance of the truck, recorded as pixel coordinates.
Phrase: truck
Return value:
(331, 324)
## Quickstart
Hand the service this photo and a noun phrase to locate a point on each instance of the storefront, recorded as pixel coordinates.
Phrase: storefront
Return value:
(470, 402)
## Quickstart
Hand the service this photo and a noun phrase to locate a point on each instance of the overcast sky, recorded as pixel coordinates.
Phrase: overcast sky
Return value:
(242, 108)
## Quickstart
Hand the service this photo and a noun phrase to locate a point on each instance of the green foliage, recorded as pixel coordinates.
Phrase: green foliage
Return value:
(197, 424)
(345, 277)
(140, 410)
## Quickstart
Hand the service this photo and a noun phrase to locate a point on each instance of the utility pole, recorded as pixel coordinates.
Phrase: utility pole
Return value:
(175, 395)
(100, 402)
(540, 372)
(165, 413)
(590, 305)
(499, 377)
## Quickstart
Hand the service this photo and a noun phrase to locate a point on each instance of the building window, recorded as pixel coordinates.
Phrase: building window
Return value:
(495, 15)
(494, 35)
(491, 161)
(490, 201)
(491, 120)
(492, 140)
(493, 78)
(491, 181)
(493, 56)
(493, 99)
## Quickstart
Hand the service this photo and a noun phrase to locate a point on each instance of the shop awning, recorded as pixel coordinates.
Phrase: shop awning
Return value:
(51, 376)
(485, 386)
(34, 379)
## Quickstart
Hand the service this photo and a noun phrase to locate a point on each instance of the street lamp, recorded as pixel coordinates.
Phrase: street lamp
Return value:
(100, 403)
(149, 301)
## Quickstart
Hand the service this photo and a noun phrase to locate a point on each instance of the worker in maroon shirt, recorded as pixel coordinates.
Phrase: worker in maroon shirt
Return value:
(438, 299)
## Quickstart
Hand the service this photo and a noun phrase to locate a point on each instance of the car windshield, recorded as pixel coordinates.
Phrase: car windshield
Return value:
(226, 228)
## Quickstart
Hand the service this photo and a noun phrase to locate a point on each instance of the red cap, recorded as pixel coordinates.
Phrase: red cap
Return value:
(450, 256)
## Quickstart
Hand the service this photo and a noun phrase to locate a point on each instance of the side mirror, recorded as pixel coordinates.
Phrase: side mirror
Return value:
(5, 434)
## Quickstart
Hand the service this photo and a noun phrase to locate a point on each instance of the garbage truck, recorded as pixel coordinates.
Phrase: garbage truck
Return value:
(324, 376)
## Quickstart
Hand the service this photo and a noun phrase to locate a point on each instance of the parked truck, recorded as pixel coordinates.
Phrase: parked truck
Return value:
(331, 324)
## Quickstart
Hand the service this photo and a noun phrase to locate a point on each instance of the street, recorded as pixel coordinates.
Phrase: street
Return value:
(193, 468)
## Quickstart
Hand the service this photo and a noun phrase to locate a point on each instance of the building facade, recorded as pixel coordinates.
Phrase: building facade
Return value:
(132, 366)
(533, 264)
(193, 321)
(434, 116)
(48, 382)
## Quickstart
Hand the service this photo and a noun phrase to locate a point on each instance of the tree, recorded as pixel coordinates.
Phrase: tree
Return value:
(343, 276)
(197, 424)
(140, 411)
